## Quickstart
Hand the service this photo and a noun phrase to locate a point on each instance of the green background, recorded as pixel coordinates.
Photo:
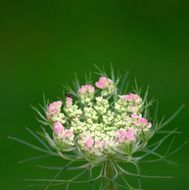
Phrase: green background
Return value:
(43, 43)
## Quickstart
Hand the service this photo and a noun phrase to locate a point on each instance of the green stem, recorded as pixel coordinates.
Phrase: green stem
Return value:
(109, 175)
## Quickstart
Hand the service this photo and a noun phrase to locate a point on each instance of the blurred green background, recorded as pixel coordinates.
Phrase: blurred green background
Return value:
(42, 44)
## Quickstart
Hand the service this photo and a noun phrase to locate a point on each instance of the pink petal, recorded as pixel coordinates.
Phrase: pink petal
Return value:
(122, 135)
(135, 116)
(85, 88)
(54, 107)
(130, 97)
(130, 134)
(58, 128)
(89, 142)
(69, 101)
(126, 135)
(91, 88)
(99, 144)
(68, 133)
(102, 83)
(143, 121)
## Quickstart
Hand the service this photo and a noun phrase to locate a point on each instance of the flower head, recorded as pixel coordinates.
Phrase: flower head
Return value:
(97, 124)
(102, 126)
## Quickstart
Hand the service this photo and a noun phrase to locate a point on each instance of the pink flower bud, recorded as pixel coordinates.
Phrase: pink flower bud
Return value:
(142, 121)
(86, 88)
(99, 144)
(126, 135)
(121, 135)
(83, 89)
(89, 142)
(135, 116)
(54, 108)
(103, 82)
(58, 128)
(68, 133)
(69, 101)
(91, 88)
(130, 134)
(131, 97)
(133, 109)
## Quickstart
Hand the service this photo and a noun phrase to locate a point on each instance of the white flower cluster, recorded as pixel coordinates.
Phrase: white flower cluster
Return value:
(100, 121)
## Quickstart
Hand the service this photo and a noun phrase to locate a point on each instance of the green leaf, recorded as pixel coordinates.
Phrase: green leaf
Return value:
(172, 117)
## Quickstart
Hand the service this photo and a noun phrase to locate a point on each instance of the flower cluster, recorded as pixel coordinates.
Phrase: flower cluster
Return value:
(97, 128)
(99, 122)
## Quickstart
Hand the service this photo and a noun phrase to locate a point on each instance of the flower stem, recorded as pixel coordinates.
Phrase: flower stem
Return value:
(109, 175)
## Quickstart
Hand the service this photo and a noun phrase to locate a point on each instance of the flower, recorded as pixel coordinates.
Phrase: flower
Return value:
(86, 93)
(95, 123)
(131, 97)
(87, 88)
(135, 116)
(126, 135)
(100, 127)
(68, 133)
(58, 128)
(142, 121)
(63, 136)
(131, 103)
(89, 142)
(106, 85)
(130, 134)
(103, 82)
(54, 108)
(69, 101)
